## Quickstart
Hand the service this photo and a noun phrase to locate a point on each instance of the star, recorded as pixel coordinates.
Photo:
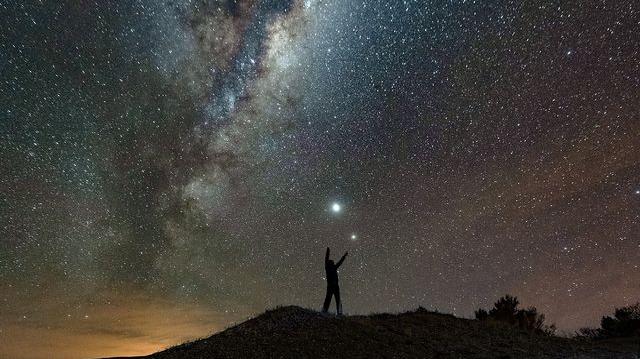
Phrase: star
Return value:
(336, 207)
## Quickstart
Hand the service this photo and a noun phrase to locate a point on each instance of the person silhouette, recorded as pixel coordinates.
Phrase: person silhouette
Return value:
(333, 289)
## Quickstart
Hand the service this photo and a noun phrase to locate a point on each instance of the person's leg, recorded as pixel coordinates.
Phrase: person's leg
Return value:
(338, 302)
(327, 301)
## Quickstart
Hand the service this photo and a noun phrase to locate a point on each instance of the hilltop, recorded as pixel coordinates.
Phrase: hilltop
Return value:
(294, 332)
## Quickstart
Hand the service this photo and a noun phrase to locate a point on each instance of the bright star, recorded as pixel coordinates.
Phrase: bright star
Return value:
(637, 191)
(354, 237)
(336, 207)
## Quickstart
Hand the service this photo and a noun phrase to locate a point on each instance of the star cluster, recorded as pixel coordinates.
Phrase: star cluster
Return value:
(169, 168)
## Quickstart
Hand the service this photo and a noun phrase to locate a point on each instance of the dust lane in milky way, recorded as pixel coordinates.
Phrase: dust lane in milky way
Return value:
(170, 168)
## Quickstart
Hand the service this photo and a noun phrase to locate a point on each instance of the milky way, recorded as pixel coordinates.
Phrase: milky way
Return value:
(169, 168)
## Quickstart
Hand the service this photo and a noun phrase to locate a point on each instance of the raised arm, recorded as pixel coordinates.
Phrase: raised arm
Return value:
(326, 256)
(342, 259)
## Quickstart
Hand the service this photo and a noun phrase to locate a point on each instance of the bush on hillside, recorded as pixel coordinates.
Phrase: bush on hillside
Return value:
(506, 310)
(624, 323)
(481, 314)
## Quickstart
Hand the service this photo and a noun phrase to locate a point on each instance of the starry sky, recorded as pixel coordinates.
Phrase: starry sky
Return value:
(169, 168)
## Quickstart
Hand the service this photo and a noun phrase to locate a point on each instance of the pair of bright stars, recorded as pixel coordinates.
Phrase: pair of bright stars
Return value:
(336, 208)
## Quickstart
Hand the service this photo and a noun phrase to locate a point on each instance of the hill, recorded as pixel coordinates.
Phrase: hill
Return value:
(294, 332)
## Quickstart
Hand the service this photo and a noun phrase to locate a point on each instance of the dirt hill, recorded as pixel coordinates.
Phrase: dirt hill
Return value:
(294, 332)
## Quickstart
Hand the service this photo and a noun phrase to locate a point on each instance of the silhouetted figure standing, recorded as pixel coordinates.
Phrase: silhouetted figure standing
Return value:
(333, 289)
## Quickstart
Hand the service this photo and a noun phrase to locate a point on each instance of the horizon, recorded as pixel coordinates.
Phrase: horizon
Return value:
(170, 168)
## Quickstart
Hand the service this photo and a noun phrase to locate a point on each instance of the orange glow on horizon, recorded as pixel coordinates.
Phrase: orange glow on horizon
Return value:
(129, 327)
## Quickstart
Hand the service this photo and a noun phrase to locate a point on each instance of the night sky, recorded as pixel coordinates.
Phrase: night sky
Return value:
(169, 168)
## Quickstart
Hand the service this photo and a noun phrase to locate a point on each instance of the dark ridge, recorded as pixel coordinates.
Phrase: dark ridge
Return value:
(294, 332)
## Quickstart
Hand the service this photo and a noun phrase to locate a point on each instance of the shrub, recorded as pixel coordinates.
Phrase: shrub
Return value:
(624, 323)
(506, 310)
(481, 314)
